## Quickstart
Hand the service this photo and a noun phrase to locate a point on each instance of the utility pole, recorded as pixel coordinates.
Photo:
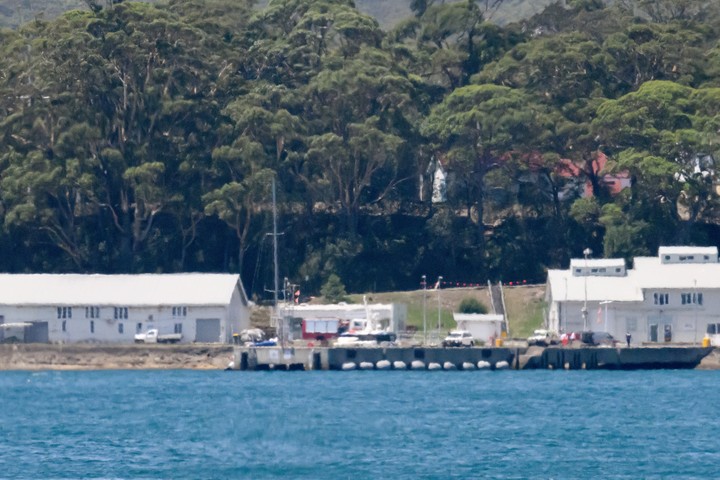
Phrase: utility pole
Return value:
(587, 252)
(424, 285)
(439, 286)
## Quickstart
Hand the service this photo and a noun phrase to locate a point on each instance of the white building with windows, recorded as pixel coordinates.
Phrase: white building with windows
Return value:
(67, 308)
(387, 316)
(669, 298)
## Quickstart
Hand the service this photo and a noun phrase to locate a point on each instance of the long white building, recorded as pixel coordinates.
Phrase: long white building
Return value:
(387, 316)
(112, 308)
(669, 298)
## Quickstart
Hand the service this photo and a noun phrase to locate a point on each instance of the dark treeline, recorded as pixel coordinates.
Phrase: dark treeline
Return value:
(144, 138)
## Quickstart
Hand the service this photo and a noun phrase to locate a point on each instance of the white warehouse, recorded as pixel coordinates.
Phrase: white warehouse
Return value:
(669, 298)
(67, 308)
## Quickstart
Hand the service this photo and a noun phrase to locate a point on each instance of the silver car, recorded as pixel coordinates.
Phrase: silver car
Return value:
(459, 338)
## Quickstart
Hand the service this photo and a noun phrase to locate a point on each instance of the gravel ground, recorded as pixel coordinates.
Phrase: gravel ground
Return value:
(113, 357)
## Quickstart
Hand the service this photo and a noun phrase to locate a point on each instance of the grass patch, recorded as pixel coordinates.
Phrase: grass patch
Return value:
(525, 306)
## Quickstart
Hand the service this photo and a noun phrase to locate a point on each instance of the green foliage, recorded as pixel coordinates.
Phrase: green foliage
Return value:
(334, 290)
(471, 305)
(144, 137)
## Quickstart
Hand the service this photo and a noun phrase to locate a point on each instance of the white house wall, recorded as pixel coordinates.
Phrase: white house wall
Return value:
(106, 329)
(485, 331)
(238, 316)
(688, 323)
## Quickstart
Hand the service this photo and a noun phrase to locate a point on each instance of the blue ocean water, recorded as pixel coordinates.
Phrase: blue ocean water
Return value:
(330, 425)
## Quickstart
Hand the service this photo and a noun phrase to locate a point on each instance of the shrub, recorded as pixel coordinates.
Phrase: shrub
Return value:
(471, 305)
(334, 290)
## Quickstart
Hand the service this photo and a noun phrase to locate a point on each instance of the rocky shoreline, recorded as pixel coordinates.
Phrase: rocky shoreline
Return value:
(38, 356)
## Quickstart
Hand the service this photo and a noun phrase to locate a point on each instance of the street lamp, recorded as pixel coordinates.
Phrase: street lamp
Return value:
(424, 285)
(587, 252)
(439, 286)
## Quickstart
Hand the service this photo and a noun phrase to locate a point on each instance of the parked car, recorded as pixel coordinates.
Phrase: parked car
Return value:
(154, 336)
(543, 337)
(598, 339)
(459, 338)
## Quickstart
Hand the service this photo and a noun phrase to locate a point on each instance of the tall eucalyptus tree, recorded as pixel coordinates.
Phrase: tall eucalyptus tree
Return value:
(659, 134)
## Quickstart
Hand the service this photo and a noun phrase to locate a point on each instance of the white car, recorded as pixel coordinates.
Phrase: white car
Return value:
(459, 338)
(543, 337)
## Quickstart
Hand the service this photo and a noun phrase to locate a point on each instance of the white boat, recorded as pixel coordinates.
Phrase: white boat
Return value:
(366, 332)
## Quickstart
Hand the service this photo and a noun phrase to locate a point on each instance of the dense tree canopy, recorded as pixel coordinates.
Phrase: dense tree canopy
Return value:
(139, 137)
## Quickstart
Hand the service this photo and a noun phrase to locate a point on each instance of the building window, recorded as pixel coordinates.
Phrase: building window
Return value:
(661, 298)
(691, 298)
(617, 270)
(92, 326)
(64, 312)
(178, 328)
(138, 328)
(179, 312)
(64, 325)
(121, 328)
(577, 270)
(631, 324)
(120, 313)
(92, 312)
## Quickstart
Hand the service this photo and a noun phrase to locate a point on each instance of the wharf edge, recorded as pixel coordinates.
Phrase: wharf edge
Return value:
(514, 358)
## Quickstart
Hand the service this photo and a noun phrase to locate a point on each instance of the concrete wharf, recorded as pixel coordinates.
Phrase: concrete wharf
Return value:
(475, 358)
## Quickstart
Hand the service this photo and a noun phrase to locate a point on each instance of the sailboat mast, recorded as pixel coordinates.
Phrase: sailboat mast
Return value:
(275, 246)
(278, 318)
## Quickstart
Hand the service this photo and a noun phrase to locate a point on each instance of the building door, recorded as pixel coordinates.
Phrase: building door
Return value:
(667, 333)
(37, 333)
(653, 332)
(207, 330)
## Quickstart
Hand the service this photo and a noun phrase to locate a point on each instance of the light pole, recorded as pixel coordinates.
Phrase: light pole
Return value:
(439, 286)
(587, 252)
(424, 285)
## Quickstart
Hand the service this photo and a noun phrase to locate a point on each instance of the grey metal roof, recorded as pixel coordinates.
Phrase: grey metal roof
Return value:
(566, 287)
(648, 273)
(119, 290)
(597, 262)
(682, 250)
